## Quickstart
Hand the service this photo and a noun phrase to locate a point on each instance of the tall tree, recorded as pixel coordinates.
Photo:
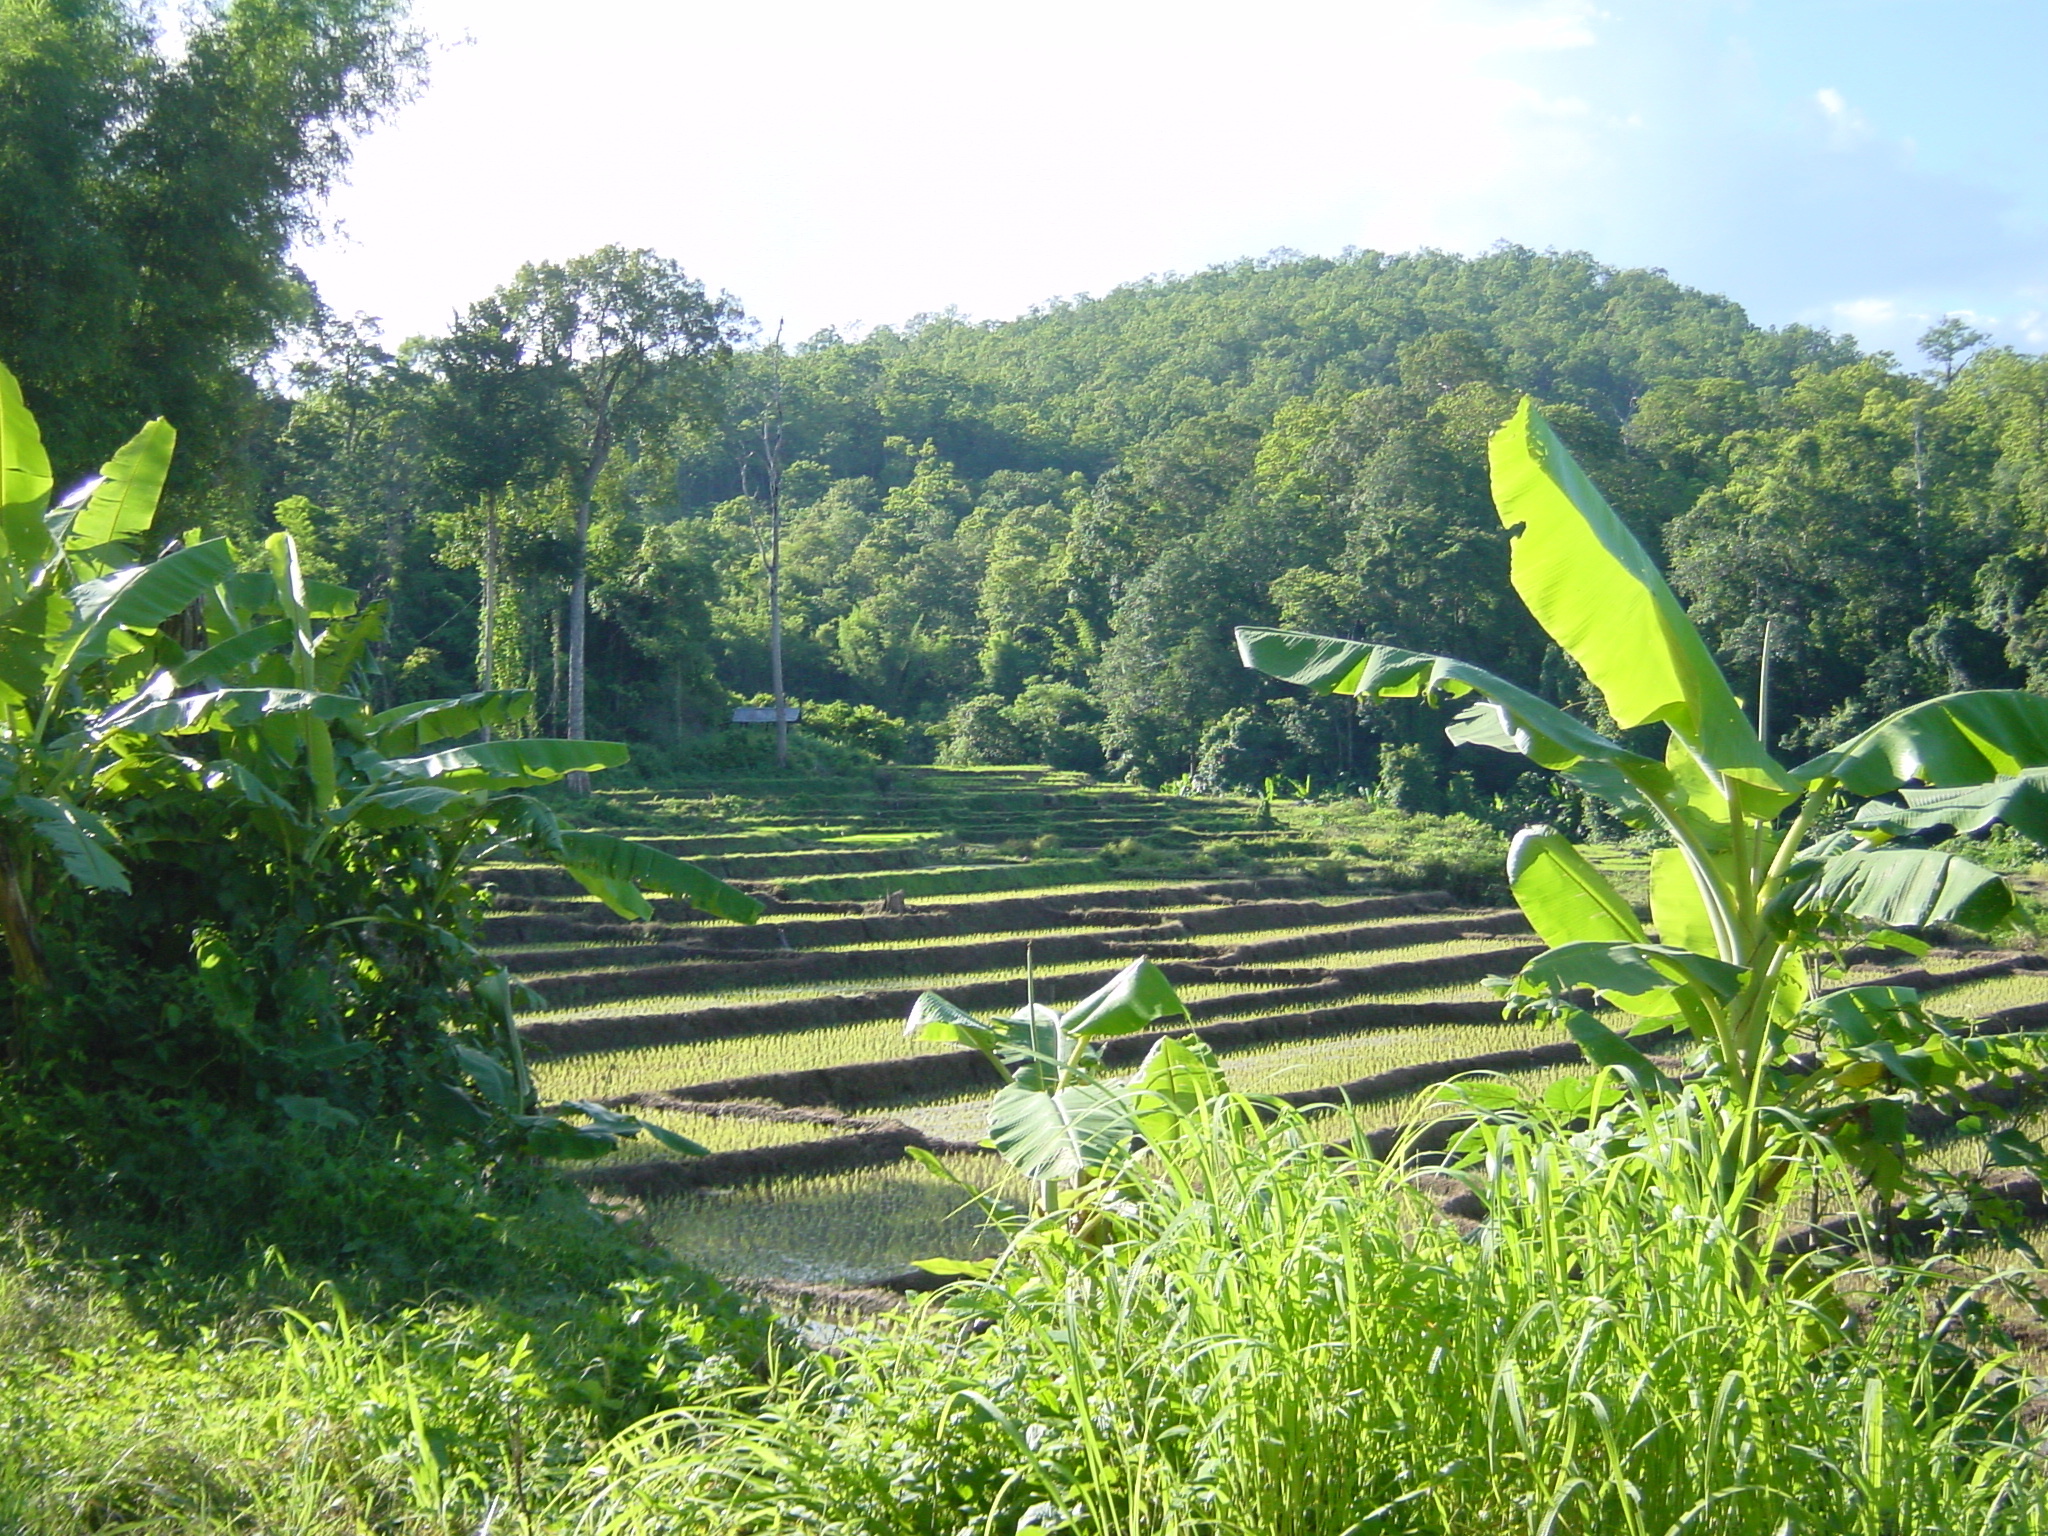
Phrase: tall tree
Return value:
(494, 422)
(152, 200)
(620, 325)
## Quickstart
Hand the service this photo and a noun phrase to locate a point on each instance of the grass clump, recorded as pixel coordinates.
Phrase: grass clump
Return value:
(1275, 1339)
(146, 1390)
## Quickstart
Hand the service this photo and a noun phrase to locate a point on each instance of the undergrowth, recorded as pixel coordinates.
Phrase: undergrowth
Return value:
(1280, 1340)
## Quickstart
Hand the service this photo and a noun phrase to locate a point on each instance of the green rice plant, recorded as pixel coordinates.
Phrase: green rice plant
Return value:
(1322, 1063)
(837, 1229)
(1975, 998)
(607, 1075)
(719, 1133)
(1278, 1340)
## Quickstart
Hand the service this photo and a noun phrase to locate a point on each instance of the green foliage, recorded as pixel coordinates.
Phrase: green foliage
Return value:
(1744, 910)
(153, 197)
(169, 1396)
(1058, 1117)
(236, 901)
(1593, 1363)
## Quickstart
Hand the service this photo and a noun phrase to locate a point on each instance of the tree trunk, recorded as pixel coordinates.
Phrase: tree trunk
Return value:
(487, 639)
(579, 602)
(775, 628)
(555, 662)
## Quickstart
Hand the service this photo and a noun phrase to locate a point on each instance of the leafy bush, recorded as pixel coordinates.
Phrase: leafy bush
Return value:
(236, 901)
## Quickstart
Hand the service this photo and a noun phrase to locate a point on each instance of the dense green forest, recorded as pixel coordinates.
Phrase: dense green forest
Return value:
(1029, 540)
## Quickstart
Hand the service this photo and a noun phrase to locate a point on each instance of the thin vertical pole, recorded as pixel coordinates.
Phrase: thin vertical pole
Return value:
(1763, 689)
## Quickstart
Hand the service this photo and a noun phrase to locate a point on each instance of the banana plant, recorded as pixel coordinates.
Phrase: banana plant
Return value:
(136, 669)
(1747, 897)
(1060, 1117)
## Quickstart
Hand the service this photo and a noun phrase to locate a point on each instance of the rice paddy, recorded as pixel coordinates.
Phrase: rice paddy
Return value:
(1273, 938)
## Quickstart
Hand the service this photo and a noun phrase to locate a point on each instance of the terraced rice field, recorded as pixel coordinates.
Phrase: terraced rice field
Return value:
(781, 1048)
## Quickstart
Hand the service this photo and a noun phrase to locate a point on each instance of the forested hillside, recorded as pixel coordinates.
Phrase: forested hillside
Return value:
(1030, 540)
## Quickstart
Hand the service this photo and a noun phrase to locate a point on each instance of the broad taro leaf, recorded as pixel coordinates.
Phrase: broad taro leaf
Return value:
(83, 842)
(409, 727)
(514, 764)
(1596, 592)
(933, 1018)
(140, 597)
(2020, 800)
(123, 505)
(1565, 898)
(1625, 970)
(1955, 740)
(593, 854)
(1508, 718)
(1061, 1135)
(24, 486)
(1910, 888)
(1135, 996)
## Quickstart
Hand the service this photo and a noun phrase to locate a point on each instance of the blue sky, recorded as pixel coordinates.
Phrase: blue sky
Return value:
(1867, 165)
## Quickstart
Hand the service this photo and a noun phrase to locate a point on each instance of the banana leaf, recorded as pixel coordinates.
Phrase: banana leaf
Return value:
(1060, 1135)
(139, 597)
(1509, 719)
(637, 865)
(83, 843)
(514, 764)
(1598, 594)
(1134, 997)
(1949, 742)
(24, 487)
(1565, 898)
(409, 727)
(2019, 800)
(1911, 888)
(123, 505)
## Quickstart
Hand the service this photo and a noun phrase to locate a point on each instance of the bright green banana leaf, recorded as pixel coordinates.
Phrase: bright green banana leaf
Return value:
(1510, 719)
(409, 727)
(1955, 740)
(933, 1018)
(1565, 898)
(1604, 1048)
(1568, 901)
(216, 662)
(1911, 887)
(123, 505)
(516, 763)
(638, 866)
(1625, 970)
(1595, 591)
(138, 597)
(1135, 996)
(1060, 1135)
(223, 709)
(2019, 800)
(24, 486)
(1178, 1076)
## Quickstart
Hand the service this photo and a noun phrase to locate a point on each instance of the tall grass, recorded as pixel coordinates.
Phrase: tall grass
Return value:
(1283, 1341)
